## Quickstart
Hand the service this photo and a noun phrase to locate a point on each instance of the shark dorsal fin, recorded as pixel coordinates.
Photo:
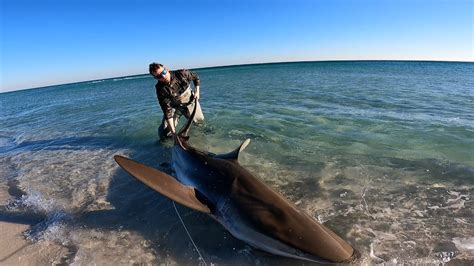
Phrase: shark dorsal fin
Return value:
(163, 183)
(234, 155)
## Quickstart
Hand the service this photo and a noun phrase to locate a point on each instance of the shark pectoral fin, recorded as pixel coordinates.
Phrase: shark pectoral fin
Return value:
(163, 183)
(234, 155)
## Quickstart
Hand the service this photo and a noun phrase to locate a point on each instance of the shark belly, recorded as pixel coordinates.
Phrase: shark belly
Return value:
(237, 226)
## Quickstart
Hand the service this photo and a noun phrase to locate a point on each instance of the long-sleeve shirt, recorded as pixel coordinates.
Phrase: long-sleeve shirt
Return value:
(167, 93)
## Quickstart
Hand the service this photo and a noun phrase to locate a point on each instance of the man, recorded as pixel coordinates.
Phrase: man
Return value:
(173, 90)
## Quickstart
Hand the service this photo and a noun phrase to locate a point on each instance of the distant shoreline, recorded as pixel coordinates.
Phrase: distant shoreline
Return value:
(249, 64)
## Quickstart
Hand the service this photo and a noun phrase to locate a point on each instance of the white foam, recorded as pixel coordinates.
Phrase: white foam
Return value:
(36, 201)
(127, 78)
(454, 193)
(465, 244)
(373, 256)
(53, 227)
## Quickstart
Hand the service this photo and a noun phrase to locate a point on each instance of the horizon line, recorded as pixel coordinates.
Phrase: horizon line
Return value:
(247, 64)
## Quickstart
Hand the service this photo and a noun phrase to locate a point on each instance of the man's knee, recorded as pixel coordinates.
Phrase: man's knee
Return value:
(199, 117)
(164, 131)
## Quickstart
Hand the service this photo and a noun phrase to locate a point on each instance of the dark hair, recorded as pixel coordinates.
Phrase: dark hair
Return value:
(153, 67)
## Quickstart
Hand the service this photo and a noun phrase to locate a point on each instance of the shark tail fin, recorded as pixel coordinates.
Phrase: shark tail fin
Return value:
(163, 183)
(234, 155)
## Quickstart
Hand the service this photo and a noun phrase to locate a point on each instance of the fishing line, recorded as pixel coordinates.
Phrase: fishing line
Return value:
(189, 235)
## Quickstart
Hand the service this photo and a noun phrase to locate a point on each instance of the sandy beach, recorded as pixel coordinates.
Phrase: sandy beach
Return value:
(15, 249)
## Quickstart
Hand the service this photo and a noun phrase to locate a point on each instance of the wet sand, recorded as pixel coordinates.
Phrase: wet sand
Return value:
(15, 249)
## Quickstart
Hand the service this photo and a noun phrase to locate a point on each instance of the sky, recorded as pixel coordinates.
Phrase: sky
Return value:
(48, 42)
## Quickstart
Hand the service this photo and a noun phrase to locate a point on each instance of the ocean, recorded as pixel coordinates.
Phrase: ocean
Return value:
(382, 152)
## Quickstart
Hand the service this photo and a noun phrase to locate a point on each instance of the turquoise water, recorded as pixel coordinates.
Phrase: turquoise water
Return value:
(381, 152)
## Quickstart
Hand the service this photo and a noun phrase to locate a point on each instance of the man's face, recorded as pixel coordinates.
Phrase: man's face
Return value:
(162, 74)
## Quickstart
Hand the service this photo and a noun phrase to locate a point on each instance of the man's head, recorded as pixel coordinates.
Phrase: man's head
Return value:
(159, 72)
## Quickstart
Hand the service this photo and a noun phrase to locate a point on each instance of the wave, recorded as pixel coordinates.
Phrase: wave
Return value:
(127, 78)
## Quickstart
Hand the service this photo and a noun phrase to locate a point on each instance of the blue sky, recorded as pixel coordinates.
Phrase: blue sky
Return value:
(61, 41)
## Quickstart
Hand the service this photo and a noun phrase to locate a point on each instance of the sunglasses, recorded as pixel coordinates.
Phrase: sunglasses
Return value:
(162, 74)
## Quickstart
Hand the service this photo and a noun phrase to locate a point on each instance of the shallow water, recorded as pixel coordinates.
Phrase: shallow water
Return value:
(381, 152)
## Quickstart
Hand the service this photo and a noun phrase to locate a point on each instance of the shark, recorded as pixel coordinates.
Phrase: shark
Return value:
(217, 184)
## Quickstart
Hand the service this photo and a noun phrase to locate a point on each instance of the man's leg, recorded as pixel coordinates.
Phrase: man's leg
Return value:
(199, 117)
(176, 116)
(185, 98)
(164, 130)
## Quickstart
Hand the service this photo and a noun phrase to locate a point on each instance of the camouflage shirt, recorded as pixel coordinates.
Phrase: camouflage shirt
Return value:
(167, 93)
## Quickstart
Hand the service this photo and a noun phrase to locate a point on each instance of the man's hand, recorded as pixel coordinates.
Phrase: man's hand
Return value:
(175, 137)
(171, 125)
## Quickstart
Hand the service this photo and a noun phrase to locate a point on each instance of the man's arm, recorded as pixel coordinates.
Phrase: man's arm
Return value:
(165, 105)
(190, 75)
(171, 124)
(167, 112)
(196, 92)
